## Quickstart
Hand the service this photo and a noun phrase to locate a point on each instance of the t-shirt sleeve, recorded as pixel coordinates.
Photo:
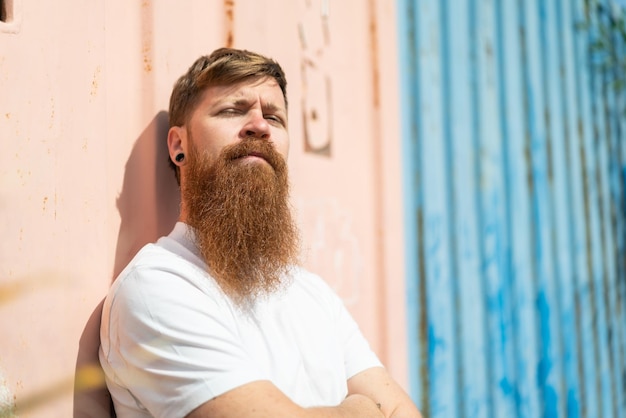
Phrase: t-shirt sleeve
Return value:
(174, 345)
(357, 353)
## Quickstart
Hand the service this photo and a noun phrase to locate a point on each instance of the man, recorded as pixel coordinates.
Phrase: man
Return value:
(217, 319)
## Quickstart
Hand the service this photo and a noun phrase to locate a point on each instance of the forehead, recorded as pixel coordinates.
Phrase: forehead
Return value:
(265, 89)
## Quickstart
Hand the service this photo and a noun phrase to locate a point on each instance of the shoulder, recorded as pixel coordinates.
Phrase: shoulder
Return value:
(160, 290)
(308, 291)
(304, 281)
(165, 325)
(157, 270)
(309, 281)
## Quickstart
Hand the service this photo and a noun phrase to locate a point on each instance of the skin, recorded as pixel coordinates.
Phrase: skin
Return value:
(224, 116)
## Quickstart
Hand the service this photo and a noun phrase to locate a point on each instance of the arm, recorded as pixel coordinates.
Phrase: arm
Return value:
(261, 399)
(376, 384)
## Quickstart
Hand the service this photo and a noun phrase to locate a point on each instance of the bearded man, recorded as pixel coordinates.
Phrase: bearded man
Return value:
(217, 319)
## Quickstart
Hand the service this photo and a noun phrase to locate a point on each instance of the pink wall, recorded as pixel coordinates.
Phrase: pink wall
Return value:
(84, 183)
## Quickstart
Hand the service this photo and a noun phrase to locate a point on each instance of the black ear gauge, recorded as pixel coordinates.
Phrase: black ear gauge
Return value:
(180, 157)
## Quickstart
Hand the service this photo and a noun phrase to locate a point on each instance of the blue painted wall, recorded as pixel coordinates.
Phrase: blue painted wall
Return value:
(514, 147)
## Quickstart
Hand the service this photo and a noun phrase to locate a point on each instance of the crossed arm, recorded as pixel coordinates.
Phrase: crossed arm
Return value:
(371, 394)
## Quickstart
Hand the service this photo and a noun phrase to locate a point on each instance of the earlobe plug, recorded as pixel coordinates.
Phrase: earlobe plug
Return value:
(180, 157)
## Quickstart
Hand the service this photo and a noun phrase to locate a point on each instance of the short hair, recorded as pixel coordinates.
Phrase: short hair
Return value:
(225, 66)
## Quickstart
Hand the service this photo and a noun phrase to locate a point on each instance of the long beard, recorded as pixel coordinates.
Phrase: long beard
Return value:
(241, 217)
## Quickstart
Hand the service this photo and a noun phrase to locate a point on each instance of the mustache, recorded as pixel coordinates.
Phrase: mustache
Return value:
(251, 146)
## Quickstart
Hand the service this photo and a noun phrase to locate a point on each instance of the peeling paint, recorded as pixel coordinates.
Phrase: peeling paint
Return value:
(95, 81)
(52, 113)
(147, 59)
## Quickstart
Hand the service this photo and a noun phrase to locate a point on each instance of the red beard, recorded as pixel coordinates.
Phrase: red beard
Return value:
(240, 213)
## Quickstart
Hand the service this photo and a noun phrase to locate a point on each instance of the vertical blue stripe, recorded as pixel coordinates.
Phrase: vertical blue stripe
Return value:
(449, 169)
(492, 205)
(439, 283)
(519, 215)
(606, 164)
(548, 368)
(619, 175)
(618, 168)
(595, 151)
(495, 408)
(562, 318)
(589, 378)
(473, 358)
(564, 177)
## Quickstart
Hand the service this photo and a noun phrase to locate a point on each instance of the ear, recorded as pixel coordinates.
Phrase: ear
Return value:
(176, 142)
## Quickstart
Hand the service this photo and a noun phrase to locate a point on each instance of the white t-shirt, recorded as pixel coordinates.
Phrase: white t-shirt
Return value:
(171, 340)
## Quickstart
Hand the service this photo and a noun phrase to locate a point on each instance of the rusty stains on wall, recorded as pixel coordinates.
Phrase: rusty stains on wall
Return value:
(229, 12)
(147, 59)
(377, 172)
(94, 81)
(147, 40)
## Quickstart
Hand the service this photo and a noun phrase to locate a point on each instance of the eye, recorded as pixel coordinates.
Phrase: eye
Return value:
(274, 119)
(230, 111)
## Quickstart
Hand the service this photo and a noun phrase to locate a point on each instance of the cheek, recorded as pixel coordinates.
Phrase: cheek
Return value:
(207, 151)
(212, 145)
(282, 147)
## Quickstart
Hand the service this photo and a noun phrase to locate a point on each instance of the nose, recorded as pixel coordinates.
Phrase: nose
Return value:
(256, 126)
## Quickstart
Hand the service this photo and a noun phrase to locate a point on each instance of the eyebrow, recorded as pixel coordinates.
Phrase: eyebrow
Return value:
(272, 107)
(267, 106)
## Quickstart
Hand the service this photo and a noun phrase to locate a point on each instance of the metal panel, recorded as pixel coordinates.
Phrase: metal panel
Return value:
(514, 167)
(84, 182)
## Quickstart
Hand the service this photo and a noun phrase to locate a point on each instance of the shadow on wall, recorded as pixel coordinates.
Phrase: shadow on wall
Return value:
(148, 207)
(149, 201)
